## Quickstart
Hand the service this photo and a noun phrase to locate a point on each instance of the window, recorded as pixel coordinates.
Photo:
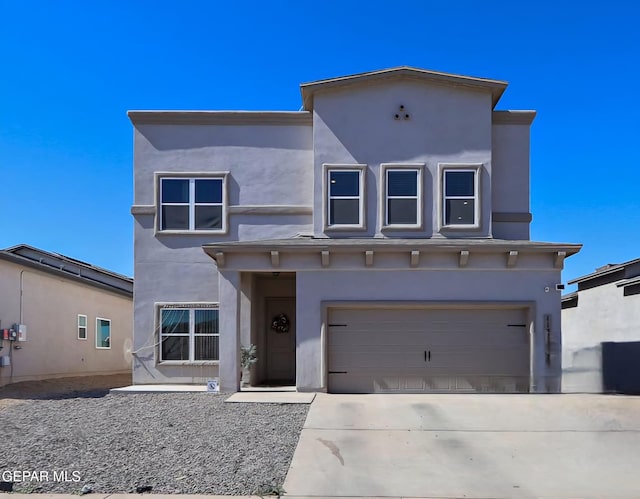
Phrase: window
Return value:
(189, 334)
(103, 333)
(82, 327)
(402, 202)
(192, 204)
(460, 199)
(345, 196)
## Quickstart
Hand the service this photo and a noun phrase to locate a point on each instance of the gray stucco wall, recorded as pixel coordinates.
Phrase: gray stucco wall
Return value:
(267, 166)
(446, 125)
(313, 287)
(603, 314)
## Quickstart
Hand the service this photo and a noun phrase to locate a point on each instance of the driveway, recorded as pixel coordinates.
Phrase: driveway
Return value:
(469, 446)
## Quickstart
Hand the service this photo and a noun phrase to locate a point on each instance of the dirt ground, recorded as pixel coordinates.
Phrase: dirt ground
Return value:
(17, 393)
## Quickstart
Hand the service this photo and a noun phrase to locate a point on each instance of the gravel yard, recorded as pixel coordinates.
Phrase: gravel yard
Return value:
(175, 443)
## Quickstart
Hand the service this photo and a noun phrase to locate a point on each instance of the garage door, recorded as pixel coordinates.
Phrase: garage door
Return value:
(402, 350)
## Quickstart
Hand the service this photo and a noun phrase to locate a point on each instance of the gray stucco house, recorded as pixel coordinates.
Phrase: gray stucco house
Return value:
(375, 241)
(601, 330)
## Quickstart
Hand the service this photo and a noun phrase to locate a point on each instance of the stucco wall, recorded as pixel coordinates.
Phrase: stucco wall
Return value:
(603, 314)
(267, 165)
(447, 125)
(313, 287)
(50, 308)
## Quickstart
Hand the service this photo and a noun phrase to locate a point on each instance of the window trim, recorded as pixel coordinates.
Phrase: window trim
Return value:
(184, 306)
(191, 176)
(110, 333)
(476, 168)
(85, 327)
(327, 168)
(384, 169)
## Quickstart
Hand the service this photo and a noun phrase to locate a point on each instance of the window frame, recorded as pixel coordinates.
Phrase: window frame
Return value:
(361, 169)
(385, 168)
(110, 334)
(85, 327)
(191, 307)
(191, 177)
(476, 169)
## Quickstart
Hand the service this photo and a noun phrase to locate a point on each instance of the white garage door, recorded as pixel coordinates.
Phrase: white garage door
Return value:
(428, 350)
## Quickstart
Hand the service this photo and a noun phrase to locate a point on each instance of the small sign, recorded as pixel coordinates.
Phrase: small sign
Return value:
(213, 386)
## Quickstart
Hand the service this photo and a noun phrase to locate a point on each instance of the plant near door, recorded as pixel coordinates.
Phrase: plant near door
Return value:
(247, 359)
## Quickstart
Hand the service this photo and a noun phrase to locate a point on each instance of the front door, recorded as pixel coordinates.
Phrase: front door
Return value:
(281, 339)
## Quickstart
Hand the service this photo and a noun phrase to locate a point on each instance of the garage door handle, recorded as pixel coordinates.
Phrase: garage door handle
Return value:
(427, 356)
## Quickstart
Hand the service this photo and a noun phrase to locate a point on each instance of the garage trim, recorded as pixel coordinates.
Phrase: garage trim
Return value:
(326, 305)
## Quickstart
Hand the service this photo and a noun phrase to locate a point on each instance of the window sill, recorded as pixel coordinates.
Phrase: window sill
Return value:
(103, 348)
(345, 228)
(460, 227)
(191, 232)
(188, 363)
(401, 227)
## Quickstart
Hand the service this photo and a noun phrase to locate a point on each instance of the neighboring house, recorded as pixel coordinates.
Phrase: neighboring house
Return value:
(601, 331)
(66, 317)
(375, 241)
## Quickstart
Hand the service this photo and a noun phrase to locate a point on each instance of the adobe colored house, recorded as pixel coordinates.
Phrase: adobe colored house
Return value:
(61, 317)
(601, 331)
(375, 241)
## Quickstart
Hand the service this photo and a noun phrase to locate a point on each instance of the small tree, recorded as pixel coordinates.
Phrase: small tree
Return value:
(248, 356)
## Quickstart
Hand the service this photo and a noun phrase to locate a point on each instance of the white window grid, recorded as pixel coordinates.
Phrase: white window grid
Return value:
(330, 197)
(474, 197)
(416, 197)
(192, 202)
(191, 334)
(82, 328)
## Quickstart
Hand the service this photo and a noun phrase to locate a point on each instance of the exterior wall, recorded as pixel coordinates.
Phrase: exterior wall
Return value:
(267, 165)
(357, 126)
(603, 314)
(50, 308)
(522, 285)
(510, 179)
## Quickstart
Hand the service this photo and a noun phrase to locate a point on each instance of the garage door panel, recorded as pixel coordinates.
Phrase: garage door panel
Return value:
(428, 350)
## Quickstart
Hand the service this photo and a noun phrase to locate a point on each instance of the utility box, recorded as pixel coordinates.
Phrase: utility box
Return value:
(5, 361)
(21, 329)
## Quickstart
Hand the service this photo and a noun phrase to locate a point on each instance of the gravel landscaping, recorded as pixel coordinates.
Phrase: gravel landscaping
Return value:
(190, 443)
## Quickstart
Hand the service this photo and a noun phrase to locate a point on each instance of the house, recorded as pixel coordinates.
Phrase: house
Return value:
(601, 331)
(61, 317)
(375, 241)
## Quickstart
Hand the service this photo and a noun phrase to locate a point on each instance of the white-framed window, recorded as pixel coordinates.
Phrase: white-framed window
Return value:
(460, 196)
(402, 196)
(82, 327)
(103, 333)
(345, 196)
(189, 333)
(192, 203)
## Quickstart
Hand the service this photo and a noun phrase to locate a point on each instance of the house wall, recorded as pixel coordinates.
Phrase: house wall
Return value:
(267, 165)
(357, 126)
(50, 308)
(314, 287)
(603, 314)
(510, 184)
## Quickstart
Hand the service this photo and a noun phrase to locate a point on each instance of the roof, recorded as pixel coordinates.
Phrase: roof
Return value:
(391, 244)
(68, 267)
(308, 90)
(610, 268)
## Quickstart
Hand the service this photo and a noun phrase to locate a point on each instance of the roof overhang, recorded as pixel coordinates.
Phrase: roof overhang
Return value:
(286, 118)
(308, 90)
(269, 252)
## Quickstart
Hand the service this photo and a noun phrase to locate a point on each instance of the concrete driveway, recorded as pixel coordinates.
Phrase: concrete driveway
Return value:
(469, 446)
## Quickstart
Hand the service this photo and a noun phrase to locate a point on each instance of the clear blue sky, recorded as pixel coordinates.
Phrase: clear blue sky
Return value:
(70, 70)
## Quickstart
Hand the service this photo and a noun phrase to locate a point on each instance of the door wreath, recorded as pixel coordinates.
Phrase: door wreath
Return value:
(280, 323)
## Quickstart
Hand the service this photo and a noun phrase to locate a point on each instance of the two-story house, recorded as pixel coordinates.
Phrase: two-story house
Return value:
(375, 241)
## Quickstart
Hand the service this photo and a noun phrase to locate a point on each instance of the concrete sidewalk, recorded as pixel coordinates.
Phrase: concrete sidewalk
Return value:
(474, 446)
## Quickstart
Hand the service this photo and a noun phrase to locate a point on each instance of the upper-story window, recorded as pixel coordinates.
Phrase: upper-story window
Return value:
(345, 197)
(192, 204)
(402, 196)
(460, 200)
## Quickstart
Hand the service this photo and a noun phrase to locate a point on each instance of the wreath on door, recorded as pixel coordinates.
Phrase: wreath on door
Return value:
(280, 323)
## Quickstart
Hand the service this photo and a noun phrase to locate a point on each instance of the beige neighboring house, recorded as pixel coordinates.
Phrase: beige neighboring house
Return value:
(61, 317)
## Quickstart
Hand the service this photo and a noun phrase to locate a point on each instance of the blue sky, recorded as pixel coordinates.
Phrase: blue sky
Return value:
(70, 71)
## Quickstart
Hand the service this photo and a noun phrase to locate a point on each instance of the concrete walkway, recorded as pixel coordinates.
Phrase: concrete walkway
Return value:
(479, 446)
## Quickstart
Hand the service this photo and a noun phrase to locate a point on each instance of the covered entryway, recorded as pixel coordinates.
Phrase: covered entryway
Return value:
(411, 348)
